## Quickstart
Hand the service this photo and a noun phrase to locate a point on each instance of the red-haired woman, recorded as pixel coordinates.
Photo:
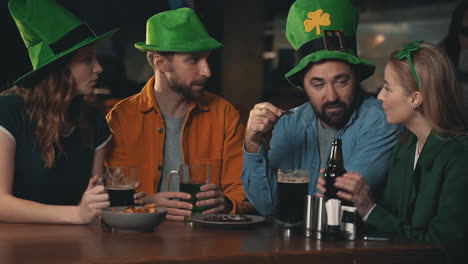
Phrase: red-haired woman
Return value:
(51, 141)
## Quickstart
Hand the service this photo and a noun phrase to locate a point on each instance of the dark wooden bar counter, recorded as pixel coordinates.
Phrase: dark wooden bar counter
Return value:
(176, 242)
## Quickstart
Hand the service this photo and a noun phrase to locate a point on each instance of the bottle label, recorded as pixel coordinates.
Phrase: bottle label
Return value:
(333, 207)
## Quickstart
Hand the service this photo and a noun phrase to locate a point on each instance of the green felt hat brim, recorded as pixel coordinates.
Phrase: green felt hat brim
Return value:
(294, 76)
(45, 65)
(207, 44)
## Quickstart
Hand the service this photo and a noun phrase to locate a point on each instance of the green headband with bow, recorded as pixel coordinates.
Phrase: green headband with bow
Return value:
(406, 53)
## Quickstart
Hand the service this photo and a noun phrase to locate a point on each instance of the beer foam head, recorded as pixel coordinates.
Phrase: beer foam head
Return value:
(292, 177)
(121, 187)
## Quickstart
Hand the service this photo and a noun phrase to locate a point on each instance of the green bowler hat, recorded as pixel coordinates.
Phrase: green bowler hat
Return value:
(49, 32)
(323, 29)
(177, 30)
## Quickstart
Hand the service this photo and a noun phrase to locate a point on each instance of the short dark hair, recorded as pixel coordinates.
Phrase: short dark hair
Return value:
(166, 54)
(354, 68)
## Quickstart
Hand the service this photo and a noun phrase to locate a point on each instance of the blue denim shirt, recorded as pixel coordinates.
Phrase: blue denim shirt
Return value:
(367, 143)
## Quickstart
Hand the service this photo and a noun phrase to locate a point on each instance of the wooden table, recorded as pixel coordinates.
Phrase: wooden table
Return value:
(176, 242)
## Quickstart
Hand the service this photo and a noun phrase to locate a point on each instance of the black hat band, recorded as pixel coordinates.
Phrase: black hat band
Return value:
(332, 40)
(73, 37)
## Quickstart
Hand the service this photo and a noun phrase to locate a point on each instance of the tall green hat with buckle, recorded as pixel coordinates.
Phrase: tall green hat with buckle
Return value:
(323, 29)
(177, 30)
(49, 32)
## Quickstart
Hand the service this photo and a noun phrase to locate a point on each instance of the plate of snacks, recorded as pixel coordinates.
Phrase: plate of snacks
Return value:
(133, 218)
(227, 220)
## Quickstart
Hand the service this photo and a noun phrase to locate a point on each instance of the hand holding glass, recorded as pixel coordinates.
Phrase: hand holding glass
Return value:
(191, 178)
(120, 185)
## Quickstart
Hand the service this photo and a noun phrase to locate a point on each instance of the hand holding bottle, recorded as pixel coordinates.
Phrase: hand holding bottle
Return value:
(356, 190)
(353, 188)
(335, 169)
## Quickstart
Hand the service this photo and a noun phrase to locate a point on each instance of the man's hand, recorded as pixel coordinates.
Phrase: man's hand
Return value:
(321, 184)
(214, 199)
(176, 210)
(262, 119)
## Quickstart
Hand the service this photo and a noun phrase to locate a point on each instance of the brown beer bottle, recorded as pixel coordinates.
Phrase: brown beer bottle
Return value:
(335, 169)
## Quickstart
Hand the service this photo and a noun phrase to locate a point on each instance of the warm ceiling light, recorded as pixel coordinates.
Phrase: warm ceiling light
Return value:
(379, 39)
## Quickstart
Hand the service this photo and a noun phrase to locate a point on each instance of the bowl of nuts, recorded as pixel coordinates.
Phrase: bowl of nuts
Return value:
(133, 218)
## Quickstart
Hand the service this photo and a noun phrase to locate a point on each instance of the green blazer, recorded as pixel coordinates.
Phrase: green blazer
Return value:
(429, 203)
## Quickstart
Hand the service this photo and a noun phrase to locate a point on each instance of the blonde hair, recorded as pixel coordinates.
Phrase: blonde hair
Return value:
(442, 97)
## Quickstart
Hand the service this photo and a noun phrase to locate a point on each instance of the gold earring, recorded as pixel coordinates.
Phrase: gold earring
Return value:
(412, 108)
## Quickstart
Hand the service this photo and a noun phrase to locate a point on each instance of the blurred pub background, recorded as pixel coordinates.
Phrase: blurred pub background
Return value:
(250, 67)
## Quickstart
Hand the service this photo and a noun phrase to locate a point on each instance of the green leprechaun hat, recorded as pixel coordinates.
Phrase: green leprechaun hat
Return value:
(323, 29)
(177, 30)
(49, 32)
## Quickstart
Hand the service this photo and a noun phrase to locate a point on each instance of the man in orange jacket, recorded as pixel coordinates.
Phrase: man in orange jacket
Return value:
(172, 121)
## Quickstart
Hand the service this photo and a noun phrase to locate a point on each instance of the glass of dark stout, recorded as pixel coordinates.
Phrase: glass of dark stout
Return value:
(293, 186)
(120, 185)
(191, 178)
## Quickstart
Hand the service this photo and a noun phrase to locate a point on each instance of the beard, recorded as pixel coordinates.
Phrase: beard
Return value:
(186, 90)
(335, 119)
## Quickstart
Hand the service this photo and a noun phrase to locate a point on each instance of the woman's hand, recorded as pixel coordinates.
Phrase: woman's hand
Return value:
(355, 189)
(94, 199)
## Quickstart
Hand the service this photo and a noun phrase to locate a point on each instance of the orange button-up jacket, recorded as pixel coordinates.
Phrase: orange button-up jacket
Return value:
(212, 134)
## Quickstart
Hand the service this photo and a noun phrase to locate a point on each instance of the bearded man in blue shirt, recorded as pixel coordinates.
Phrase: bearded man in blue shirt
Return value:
(323, 32)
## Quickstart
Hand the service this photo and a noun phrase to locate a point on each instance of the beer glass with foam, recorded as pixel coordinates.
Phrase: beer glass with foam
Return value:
(120, 185)
(293, 186)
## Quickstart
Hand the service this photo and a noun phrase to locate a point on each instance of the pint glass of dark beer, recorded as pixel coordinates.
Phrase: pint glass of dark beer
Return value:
(293, 186)
(191, 178)
(120, 185)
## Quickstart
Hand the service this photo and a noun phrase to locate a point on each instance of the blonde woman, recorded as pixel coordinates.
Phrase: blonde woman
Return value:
(425, 196)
